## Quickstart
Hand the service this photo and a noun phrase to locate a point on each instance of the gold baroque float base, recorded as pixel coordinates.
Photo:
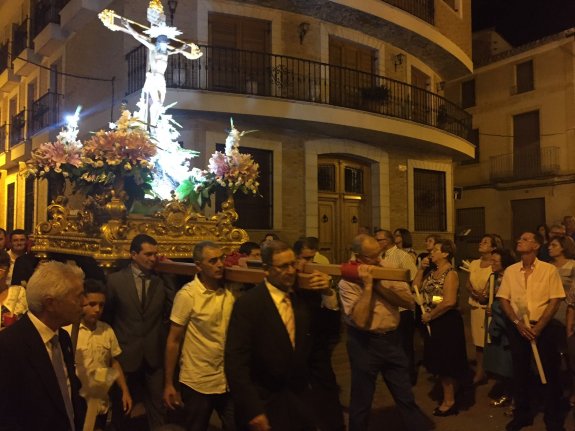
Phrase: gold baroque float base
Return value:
(176, 227)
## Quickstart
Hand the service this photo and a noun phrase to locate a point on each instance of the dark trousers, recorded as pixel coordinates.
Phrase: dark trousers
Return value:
(524, 376)
(198, 409)
(406, 331)
(326, 405)
(369, 355)
(146, 385)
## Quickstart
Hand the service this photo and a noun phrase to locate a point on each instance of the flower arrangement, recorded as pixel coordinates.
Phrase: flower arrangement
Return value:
(231, 170)
(120, 156)
(62, 157)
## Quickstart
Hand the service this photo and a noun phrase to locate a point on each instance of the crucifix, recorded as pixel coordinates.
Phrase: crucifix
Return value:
(161, 42)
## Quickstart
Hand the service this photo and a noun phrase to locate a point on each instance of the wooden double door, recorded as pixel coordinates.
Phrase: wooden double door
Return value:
(344, 204)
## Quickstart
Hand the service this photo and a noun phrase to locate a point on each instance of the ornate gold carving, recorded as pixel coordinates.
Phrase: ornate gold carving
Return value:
(104, 230)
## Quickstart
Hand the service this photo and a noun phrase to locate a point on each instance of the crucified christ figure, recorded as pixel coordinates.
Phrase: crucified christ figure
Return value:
(161, 42)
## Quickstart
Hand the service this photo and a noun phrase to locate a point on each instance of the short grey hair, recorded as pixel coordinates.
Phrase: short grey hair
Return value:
(198, 253)
(51, 280)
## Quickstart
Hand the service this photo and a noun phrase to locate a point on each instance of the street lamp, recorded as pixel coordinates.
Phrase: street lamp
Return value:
(172, 5)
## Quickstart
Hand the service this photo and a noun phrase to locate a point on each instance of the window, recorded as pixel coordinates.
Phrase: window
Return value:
(526, 148)
(353, 180)
(468, 94)
(351, 72)
(255, 212)
(237, 59)
(10, 206)
(524, 76)
(326, 178)
(430, 211)
(474, 139)
(29, 205)
(473, 219)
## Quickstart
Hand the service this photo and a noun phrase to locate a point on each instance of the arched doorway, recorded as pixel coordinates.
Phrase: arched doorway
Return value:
(344, 195)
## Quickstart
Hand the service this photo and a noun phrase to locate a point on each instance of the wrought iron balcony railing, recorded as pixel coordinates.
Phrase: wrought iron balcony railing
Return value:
(20, 40)
(423, 9)
(245, 72)
(4, 56)
(3, 134)
(46, 12)
(17, 126)
(525, 163)
(45, 112)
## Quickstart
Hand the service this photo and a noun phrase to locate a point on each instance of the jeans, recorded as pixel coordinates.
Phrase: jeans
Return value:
(369, 355)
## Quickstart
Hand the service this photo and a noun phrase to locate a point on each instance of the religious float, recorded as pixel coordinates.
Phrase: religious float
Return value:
(135, 177)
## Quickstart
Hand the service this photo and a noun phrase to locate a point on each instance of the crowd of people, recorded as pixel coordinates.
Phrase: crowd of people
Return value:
(133, 350)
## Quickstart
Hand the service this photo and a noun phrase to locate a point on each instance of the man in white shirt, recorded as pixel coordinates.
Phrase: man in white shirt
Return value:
(371, 312)
(533, 288)
(199, 320)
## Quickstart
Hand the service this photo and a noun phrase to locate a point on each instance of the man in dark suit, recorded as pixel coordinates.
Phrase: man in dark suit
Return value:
(37, 376)
(138, 308)
(269, 346)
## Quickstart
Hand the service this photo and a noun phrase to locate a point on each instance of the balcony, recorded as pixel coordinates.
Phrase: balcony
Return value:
(17, 126)
(254, 73)
(8, 80)
(4, 57)
(45, 112)
(47, 33)
(528, 163)
(3, 134)
(23, 55)
(423, 9)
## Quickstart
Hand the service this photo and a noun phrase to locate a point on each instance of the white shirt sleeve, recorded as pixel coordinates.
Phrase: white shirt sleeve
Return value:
(181, 310)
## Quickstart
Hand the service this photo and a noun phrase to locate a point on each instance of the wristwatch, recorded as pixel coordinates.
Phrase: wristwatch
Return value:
(516, 322)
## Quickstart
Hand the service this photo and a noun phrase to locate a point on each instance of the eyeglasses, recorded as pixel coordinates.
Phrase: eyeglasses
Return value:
(364, 258)
(526, 239)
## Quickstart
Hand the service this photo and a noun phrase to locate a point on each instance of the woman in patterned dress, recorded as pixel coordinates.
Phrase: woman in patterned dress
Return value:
(444, 349)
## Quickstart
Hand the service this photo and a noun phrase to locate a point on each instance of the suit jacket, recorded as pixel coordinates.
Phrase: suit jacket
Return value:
(265, 373)
(31, 398)
(24, 267)
(141, 332)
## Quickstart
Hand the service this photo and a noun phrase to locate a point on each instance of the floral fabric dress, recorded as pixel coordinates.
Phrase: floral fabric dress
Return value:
(444, 350)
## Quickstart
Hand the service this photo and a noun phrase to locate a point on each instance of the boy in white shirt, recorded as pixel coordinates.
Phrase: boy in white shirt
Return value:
(96, 364)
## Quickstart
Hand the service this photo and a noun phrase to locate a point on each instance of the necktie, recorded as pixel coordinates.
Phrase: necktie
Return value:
(144, 293)
(287, 316)
(58, 365)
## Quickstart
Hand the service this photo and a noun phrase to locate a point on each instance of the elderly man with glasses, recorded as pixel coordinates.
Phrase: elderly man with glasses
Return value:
(371, 312)
(533, 288)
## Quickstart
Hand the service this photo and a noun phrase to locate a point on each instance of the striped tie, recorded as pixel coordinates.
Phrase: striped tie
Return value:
(286, 312)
